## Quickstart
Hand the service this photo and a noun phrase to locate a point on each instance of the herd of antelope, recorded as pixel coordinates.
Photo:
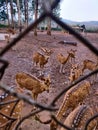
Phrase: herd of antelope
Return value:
(73, 98)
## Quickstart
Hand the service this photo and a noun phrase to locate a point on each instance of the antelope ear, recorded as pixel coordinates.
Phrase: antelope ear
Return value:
(47, 79)
(47, 57)
(48, 76)
(72, 65)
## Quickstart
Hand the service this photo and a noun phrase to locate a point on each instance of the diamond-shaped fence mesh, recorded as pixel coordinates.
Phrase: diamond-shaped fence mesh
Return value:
(51, 107)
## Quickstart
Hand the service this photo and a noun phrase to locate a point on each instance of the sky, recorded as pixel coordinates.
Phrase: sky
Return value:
(79, 10)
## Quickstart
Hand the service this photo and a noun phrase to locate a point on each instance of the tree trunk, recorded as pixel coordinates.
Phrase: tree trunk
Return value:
(7, 13)
(48, 26)
(11, 9)
(36, 15)
(49, 22)
(26, 12)
(19, 15)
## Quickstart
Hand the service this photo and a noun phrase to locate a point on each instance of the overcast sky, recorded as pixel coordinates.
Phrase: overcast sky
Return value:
(79, 10)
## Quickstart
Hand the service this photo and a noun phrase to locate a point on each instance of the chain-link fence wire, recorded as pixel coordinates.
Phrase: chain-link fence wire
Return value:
(51, 107)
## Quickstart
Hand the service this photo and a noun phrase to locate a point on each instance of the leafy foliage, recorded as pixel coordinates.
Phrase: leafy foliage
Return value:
(56, 11)
(31, 9)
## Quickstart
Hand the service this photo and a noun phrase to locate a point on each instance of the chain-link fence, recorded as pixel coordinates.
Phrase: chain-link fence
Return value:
(51, 107)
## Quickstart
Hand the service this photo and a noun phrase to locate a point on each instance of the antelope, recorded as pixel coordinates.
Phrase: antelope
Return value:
(75, 72)
(90, 65)
(72, 54)
(43, 76)
(40, 59)
(10, 30)
(10, 113)
(32, 83)
(72, 99)
(78, 118)
(63, 60)
(7, 38)
(47, 51)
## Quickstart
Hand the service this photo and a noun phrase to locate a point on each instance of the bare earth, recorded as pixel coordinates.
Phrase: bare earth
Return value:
(20, 59)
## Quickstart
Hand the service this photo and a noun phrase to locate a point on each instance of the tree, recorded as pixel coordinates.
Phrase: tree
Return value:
(49, 22)
(56, 12)
(21, 8)
(26, 12)
(48, 26)
(7, 13)
(36, 15)
(11, 9)
(19, 15)
(3, 14)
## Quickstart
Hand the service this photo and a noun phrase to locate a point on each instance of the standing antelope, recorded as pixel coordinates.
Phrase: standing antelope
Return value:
(63, 60)
(72, 55)
(7, 38)
(75, 72)
(32, 83)
(40, 59)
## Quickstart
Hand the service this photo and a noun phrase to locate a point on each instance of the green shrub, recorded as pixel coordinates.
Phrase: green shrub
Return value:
(92, 30)
(3, 26)
(56, 29)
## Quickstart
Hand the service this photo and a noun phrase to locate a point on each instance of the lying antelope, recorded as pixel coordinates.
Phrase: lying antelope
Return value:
(32, 83)
(72, 99)
(90, 65)
(40, 59)
(63, 60)
(79, 116)
(11, 110)
(10, 30)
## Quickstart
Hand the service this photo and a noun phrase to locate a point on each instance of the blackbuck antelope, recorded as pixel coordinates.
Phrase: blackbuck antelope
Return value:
(32, 83)
(10, 113)
(78, 117)
(72, 99)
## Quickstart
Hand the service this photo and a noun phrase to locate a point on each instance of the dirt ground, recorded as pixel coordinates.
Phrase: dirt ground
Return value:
(20, 59)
